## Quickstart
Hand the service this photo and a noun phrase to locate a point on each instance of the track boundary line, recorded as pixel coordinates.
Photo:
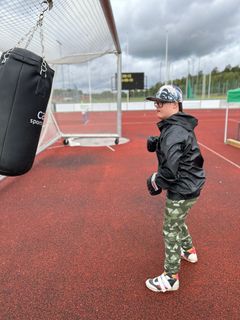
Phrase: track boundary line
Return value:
(109, 147)
(55, 147)
(219, 155)
(150, 122)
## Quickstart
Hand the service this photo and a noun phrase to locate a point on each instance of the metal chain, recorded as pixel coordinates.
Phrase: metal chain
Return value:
(44, 63)
(32, 31)
(42, 40)
(29, 35)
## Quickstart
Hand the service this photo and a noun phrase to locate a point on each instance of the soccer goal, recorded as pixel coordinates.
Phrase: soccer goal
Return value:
(85, 102)
(232, 118)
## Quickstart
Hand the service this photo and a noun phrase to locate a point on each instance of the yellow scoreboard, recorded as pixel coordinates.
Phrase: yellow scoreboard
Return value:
(132, 81)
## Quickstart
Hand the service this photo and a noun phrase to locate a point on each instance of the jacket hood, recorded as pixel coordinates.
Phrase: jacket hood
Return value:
(180, 119)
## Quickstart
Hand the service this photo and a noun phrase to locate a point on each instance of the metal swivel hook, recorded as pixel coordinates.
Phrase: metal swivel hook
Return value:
(47, 5)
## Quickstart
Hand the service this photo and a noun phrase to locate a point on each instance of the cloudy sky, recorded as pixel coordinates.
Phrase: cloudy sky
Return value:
(202, 35)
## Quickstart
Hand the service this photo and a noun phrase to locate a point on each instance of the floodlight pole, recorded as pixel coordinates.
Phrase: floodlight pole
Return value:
(203, 86)
(209, 84)
(187, 78)
(160, 75)
(171, 72)
(166, 58)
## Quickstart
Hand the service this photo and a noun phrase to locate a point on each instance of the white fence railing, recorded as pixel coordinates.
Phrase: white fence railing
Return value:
(142, 105)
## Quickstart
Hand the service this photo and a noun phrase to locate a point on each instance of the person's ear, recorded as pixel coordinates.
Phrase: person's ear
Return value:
(175, 106)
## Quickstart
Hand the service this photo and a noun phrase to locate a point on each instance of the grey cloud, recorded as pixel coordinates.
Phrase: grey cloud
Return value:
(194, 27)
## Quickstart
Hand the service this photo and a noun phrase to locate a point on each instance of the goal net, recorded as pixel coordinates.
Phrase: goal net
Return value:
(84, 99)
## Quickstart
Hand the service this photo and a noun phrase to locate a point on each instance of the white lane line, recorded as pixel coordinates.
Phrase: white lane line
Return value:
(54, 147)
(219, 155)
(234, 120)
(110, 148)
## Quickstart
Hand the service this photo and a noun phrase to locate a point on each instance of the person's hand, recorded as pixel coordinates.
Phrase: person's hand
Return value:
(152, 186)
(152, 143)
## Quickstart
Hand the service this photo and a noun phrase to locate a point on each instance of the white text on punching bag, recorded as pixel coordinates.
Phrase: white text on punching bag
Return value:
(39, 120)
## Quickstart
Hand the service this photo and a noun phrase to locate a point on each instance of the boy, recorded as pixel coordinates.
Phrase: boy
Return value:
(180, 172)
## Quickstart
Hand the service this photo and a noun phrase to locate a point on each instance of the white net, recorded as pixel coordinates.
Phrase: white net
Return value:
(72, 28)
(50, 131)
(81, 108)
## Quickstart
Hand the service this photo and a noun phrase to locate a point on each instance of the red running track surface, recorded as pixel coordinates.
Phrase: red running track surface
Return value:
(80, 234)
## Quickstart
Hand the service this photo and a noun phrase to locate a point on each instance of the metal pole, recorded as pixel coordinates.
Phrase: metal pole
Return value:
(166, 59)
(186, 87)
(192, 80)
(197, 89)
(203, 86)
(226, 124)
(160, 71)
(209, 84)
(119, 94)
(171, 70)
(60, 52)
(89, 86)
(187, 79)
(127, 55)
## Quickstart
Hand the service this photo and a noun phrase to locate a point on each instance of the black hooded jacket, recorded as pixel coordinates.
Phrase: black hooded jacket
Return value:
(180, 169)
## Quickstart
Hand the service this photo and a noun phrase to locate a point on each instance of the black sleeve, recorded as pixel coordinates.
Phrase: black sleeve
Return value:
(172, 146)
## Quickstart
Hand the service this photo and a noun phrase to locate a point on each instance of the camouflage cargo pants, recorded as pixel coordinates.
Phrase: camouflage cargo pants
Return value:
(175, 232)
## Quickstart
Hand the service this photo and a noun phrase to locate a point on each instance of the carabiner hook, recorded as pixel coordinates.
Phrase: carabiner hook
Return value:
(47, 5)
(45, 8)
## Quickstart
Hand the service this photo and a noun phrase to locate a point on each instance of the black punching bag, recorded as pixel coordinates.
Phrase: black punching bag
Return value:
(25, 87)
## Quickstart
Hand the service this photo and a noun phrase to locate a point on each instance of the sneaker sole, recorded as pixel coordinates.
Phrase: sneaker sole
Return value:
(182, 257)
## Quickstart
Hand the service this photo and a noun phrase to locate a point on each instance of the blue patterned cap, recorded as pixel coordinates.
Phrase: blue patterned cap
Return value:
(168, 93)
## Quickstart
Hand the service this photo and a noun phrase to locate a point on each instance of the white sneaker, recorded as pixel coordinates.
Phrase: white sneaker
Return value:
(163, 283)
(189, 255)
